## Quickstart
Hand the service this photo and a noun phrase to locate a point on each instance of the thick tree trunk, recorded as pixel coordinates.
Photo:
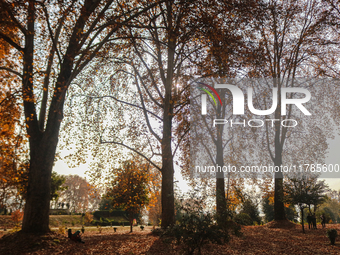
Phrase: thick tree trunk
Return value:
(43, 143)
(42, 153)
(36, 216)
(36, 213)
(168, 203)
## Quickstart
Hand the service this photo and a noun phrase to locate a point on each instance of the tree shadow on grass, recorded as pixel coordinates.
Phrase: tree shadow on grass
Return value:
(160, 246)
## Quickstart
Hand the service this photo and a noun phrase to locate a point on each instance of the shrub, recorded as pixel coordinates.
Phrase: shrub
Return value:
(61, 230)
(100, 229)
(243, 219)
(332, 234)
(107, 222)
(108, 214)
(195, 228)
(17, 216)
(88, 217)
(157, 231)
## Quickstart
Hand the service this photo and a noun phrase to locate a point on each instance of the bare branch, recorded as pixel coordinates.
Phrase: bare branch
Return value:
(11, 71)
(11, 42)
(132, 149)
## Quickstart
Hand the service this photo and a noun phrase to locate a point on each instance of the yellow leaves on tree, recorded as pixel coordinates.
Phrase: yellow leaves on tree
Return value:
(88, 217)
(129, 189)
(12, 169)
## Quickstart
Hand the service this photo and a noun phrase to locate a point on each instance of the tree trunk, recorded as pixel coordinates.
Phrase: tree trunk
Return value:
(168, 203)
(42, 150)
(279, 208)
(42, 153)
(168, 200)
(131, 221)
(303, 224)
(36, 214)
(43, 144)
(220, 186)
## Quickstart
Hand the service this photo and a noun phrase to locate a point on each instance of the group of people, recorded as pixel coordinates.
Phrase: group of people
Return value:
(311, 219)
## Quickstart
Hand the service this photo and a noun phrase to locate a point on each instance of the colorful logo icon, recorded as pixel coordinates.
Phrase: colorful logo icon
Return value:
(208, 92)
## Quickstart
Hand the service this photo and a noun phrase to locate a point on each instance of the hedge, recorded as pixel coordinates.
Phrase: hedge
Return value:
(110, 214)
(107, 214)
(106, 222)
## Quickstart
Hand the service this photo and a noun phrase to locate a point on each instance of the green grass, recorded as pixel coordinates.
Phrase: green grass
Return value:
(65, 220)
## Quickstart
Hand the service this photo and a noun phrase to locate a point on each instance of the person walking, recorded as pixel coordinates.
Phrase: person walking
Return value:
(309, 220)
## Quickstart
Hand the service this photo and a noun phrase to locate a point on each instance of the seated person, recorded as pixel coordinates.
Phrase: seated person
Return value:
(75, 237)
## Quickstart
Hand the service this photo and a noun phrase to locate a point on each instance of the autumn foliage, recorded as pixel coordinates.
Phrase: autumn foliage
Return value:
(17, 216)
(88, 217)
(13, 174)
(129, 190)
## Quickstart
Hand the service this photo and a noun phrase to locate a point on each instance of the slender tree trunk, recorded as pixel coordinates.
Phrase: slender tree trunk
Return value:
(168, 200)
(279, 209)
(36, 216)
(131, 221)
(220, 186)
(303, 224)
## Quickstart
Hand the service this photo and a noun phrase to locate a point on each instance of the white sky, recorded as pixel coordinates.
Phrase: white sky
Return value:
(332, 157)
(61, 168)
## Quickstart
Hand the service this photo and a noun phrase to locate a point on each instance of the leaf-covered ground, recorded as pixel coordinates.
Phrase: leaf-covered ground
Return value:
(255, 240)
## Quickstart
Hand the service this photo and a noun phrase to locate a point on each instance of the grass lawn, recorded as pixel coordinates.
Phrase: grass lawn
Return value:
(69, 221)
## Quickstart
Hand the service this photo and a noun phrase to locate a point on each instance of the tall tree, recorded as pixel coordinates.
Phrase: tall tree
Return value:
(290, 36)
(129, 189)
(148, 90)
(222, 34)
(78, 194)
(304, 192)
(49, 56)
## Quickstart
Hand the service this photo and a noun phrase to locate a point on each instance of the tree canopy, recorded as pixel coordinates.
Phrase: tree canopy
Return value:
(129, 188)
